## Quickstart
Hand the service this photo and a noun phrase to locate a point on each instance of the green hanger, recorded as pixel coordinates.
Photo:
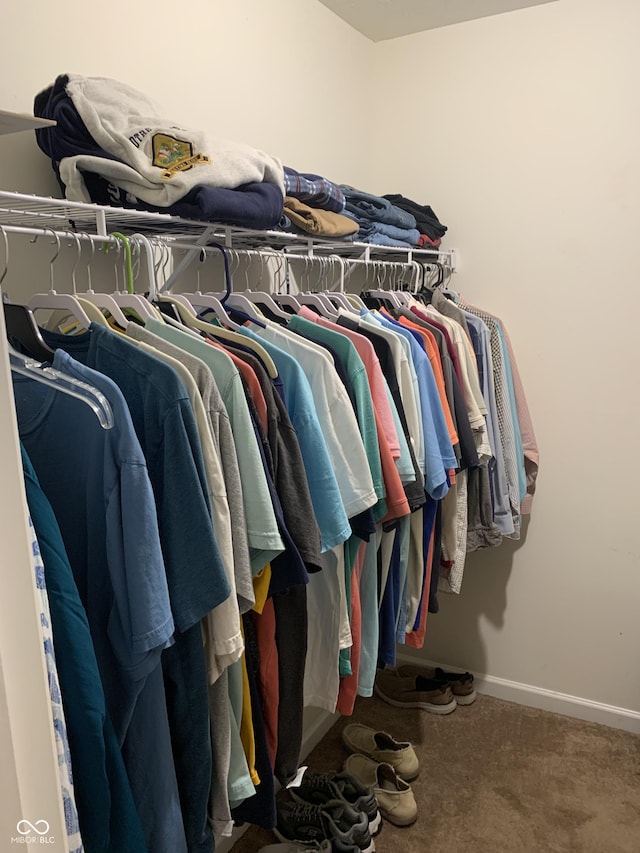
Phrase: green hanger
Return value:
(128, 266)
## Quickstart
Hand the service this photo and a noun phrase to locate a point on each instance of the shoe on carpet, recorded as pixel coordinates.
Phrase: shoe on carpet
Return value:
(319, 788)
(394, 795)
(383, 748)
(461, 683)
(429, 694)
(292, 847)
(347, 830)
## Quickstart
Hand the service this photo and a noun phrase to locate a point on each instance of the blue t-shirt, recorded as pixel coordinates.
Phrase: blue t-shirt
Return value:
(522, 474)
(439, 455)
(98, 485)
(165, 424)
(325, 493)
(108, 819)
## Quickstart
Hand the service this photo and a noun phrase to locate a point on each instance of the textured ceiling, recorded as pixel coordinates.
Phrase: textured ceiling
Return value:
(387, 19)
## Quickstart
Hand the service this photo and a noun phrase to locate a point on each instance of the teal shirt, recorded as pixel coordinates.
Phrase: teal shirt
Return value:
(362, 394)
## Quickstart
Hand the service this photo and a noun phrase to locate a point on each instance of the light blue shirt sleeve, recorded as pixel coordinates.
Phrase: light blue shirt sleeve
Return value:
(522, 475)
(439, 455)
(327, 502)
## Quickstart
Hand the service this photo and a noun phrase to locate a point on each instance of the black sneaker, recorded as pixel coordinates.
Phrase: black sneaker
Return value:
(320, 788)
(303, 823)
(348, 820)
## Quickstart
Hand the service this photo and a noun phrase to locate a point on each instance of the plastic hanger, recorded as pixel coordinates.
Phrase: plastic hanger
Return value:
(95, 399)
(337, 298)
(261, 298)
(60, 317)
(188, 316)
(22, 327)
(265, 300)
(317, 300)
(138, 303)
(93, 302)
(287, 299)
(55, 300)
(19, 321)
(208, 300)
(356, 301)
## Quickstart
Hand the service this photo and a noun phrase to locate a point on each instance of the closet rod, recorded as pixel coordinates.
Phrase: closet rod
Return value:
(61, 235)
(294, 256)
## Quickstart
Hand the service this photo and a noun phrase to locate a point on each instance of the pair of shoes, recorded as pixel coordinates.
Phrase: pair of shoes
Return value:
(320, 788)
(408, 687)
(382, 748)
(461, 683)
(292, 847)
(394, 795)
(335, 821)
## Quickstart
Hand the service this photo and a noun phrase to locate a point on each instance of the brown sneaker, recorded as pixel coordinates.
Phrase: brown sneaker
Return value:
(414, 692)
(461, 683)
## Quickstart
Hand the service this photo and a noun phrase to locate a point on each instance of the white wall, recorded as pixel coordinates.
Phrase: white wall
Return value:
(522, 131)
(284, 76)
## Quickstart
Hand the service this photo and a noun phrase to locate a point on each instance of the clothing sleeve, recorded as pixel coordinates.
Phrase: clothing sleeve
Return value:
(140, 622)
(241, 558)
(293, 489)
(195, 572)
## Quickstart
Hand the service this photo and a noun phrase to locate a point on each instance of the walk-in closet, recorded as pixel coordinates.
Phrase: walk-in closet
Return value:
(318, 412)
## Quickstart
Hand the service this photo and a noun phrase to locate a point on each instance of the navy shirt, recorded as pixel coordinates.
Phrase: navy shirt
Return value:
(109, 822)
(98, 485)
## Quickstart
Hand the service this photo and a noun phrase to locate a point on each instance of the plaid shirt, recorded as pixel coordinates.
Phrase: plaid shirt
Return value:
(313, 190)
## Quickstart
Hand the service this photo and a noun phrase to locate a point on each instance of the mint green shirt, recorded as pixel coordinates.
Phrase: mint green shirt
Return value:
(263, 535)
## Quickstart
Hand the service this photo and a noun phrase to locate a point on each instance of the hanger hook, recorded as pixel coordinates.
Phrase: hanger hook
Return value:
(136, 258)
(57, 252)
(76, 240)
(90, 261)
(227, 271)
(279, 276)
(5, 241)
(201, 260)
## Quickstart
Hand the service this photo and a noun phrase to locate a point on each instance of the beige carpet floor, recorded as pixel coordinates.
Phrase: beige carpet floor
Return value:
(500, 778)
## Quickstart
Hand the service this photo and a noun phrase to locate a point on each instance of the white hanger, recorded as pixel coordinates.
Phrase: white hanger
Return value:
(60, 301)
(261, 297)
(188, 316)
(100, 300)
(338, 298)
(356, 301)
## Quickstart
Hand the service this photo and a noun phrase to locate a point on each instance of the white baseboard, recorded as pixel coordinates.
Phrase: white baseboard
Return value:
(547, 700)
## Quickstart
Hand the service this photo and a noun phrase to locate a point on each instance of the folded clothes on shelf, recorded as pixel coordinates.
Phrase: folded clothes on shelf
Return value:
(109, 129)
(313, 190)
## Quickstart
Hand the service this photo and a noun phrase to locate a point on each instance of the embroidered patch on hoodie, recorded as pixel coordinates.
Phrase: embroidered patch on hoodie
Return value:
(174, 155)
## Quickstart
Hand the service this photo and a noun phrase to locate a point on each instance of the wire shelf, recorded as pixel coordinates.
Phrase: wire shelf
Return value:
(42, 213)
